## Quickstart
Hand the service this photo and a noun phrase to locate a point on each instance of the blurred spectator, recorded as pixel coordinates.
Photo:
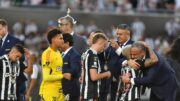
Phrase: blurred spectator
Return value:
(177, 7)
(51, 2)
(124, 6)
(157, 42)
(138, 29)
(150, 42)
(127, 6)
(35, 2)
(52, 23)
(91, 27)
(172, 27)
(64, 5)
(25, 2)
(32, 92)
(5, 3)
(111, 5)
(163, 47)
(31, 27)
(142, 7)
(113, 31)
(32, 41)
(134, 3)
(18, 29)
(80, 29)
(100, 5)
(170, 4)
(152, 4)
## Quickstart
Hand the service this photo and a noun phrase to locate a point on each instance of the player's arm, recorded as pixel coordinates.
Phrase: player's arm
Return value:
(153, 58)
(47, 76)
(95, 76)
(29, 69)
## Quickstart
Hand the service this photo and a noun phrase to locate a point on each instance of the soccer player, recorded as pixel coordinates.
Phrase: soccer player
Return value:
(92, 70)
(9, 71)
(51, 86)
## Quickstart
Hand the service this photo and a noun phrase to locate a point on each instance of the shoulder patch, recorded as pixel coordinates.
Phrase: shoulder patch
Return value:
(48, 57)
(95, 58)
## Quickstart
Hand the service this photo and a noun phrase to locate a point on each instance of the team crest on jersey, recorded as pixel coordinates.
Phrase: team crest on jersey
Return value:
(95, 59)
(59, 69)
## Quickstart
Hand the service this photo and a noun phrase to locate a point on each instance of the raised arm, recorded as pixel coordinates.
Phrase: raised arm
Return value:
(152, 60)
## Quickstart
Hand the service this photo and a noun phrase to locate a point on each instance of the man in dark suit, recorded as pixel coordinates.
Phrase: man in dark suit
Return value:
(6, 40)
(174, 61)
(159, 77)
(114, 57)
(66, 25)
(71, 69)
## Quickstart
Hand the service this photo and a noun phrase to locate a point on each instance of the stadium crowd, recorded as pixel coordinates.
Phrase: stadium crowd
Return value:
(128, 6)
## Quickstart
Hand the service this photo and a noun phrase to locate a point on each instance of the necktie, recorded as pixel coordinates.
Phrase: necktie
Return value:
(121, 45)
(1, 43)
(63, 54)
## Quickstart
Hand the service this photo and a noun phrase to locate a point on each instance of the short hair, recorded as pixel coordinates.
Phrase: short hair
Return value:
(97, 37)
(68, 38)
(124, 27)
(3, 22)
(52, 33)
(69, 19)
(139, 45)
(19, 48)
(99, 31)
(94, 33)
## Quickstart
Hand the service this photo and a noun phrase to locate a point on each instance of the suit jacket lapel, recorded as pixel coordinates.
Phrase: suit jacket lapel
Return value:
(69, 52)
(6, 41)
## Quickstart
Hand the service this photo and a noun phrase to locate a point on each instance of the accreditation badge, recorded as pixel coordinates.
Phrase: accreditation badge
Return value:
(95, 59)
(105, 67)
(59, 69)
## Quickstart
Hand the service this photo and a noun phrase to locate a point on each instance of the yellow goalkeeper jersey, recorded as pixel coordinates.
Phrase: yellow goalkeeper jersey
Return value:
(52, 73)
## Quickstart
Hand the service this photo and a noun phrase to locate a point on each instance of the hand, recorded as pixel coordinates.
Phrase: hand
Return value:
(108, 74)
(27, 96)
(67, 76)
(125, 79)
(114, 44)
(27, 53)
(133, 64)
(80, 98)
(80, 80)
(127, 87)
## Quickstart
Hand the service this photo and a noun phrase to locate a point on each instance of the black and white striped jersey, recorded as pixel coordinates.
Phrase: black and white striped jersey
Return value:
(133, 92)
(8, 74)
(90, 89)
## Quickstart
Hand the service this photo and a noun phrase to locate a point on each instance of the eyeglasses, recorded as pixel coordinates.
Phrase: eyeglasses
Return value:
(63, 24)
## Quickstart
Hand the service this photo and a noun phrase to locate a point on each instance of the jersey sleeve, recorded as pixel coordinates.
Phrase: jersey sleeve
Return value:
(93, 62)
(34, 75)
(47, 76)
